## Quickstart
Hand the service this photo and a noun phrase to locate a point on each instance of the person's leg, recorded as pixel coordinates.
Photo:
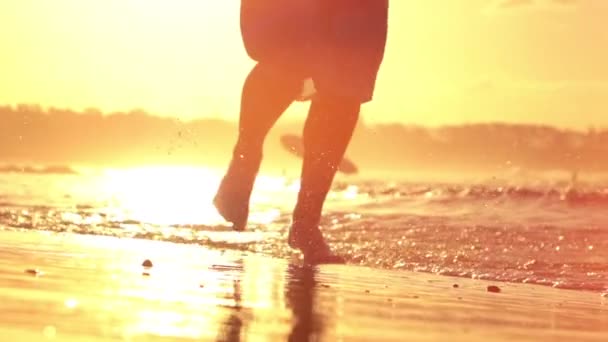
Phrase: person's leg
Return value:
(327, 133)
(268, 91)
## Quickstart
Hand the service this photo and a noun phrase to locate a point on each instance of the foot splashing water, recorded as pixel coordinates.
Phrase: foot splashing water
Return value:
(542, 234)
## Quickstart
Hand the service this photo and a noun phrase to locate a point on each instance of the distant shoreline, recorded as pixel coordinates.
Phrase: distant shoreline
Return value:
(51, 169)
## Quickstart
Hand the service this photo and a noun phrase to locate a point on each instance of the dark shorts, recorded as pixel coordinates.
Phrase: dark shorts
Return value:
(339, 43)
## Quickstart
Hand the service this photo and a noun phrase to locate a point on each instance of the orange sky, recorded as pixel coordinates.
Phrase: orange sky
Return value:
(532, 61)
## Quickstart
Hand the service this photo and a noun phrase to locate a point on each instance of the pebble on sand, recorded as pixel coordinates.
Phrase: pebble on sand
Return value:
(145, 274)
(147, 263)
(34, 271)
(455, 286)
(493, 288)
(605, 295)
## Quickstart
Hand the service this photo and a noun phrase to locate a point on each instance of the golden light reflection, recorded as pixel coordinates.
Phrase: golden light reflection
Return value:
(263, 293)
(165, 195)
(169, 323)
(183, 195)
(71, 303)
(258, 292)
(49, 332)
(206, 296)
(180, 297)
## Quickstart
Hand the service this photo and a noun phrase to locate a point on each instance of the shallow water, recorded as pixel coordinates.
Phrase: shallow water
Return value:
(542, 232)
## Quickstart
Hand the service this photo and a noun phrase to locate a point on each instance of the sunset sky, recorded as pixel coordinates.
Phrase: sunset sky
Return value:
(447, 61)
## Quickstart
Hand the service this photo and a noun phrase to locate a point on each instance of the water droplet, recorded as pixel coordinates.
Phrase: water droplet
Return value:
(71, 303)
(49, 332)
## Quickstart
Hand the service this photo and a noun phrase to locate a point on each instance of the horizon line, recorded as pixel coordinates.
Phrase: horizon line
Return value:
(139, 110)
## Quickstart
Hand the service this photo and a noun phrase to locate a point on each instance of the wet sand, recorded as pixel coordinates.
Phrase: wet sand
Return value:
(95, 288)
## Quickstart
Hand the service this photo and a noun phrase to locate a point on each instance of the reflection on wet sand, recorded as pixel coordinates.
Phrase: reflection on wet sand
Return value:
(91, 288)
(299, 296)
(230, 330)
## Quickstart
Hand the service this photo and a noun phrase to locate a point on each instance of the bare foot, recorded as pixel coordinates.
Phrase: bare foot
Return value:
(232, 203)
(232, 211)
(312, 244)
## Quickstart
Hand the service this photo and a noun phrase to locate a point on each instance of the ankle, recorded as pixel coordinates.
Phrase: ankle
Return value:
(304, 227)
(303, 236)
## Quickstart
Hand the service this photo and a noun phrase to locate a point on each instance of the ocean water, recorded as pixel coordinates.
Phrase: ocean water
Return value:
(542, 231)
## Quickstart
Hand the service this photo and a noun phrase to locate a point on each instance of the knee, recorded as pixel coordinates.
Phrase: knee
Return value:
(279, 69)
(338, 108)
(252, 142)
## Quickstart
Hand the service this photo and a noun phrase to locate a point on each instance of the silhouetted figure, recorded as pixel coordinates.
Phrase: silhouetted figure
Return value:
(300, 291)
(339, 44)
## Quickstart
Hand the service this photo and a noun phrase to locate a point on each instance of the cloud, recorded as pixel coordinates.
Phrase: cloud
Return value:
(502, 6)
(564, 2)
(506, 4)
(481, 85)
(502, 83)
(565, 103)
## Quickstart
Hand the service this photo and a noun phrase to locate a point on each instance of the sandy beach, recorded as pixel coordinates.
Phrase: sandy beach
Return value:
(69, 287)
(157, 156)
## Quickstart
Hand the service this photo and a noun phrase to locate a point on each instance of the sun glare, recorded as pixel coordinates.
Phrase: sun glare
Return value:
(168, 195)
(165, 195)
